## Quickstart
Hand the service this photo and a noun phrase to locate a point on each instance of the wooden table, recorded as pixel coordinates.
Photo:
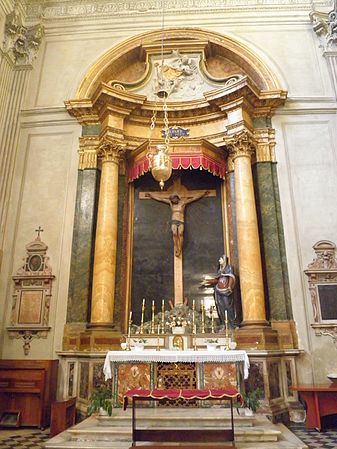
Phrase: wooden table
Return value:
(321, 401)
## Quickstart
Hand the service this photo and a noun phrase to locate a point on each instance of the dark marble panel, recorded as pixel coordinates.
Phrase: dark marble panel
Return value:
(71, 373)
(274, 380)
(152, 276)
(98, 380)
(84, 380)
(203, 236)
(269, 239)
(256, 378)
(152, 259)
(289, 378)
(91, 130)
(282, 243)
(83, 247)
(233, 241)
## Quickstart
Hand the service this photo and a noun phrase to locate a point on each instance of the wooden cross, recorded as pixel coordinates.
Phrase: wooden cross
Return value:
(177, 197)
(39, 230)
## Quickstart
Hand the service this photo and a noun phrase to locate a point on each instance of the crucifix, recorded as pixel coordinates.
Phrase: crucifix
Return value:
(177, 197)
(39, 230)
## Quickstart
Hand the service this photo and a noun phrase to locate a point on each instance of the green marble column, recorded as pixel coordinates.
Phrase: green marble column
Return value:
(82, 246)
(272, 241)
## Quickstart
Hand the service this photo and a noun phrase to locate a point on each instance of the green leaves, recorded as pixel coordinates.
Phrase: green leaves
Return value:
(100, 399)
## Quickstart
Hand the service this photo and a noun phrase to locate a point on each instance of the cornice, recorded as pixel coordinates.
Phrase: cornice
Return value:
(84, 9)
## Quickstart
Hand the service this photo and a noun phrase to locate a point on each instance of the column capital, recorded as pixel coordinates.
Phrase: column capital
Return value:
(265, 144)
(240, 145)
(21, 43)
(111, 151)
(88, 152)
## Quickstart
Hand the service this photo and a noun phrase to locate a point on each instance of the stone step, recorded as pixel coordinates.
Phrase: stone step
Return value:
(169, 420)
(89, 435)
(123, 434)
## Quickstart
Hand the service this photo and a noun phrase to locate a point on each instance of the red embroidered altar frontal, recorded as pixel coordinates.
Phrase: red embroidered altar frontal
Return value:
(228, 393)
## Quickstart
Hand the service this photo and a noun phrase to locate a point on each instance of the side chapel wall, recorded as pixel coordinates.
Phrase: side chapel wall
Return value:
(44, 187)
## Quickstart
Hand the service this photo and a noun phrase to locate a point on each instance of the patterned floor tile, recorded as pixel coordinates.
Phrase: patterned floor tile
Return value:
(314, 439)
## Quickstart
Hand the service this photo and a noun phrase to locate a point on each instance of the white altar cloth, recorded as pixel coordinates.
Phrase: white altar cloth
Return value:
(188, 356)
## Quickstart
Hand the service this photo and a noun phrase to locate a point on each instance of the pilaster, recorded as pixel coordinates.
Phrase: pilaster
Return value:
(271, 229)
(325, 26)
(20, 47)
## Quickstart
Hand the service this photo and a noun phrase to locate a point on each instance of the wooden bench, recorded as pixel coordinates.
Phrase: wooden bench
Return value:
(180, 435)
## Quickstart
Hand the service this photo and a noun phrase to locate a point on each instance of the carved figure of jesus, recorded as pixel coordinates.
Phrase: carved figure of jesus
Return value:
(177, 204)
(177, 197)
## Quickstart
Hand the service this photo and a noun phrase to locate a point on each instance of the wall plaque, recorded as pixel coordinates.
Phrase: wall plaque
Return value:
(32, 295)
(322, 278)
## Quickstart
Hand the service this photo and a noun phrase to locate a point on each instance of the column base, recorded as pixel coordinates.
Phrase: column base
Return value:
(287, 333)
(255, 323)
(257, 338)
(93, 338)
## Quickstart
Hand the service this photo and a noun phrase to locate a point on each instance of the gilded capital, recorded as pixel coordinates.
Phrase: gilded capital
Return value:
(111, 151)
(240, 145)
(88, 152)
(265, 144)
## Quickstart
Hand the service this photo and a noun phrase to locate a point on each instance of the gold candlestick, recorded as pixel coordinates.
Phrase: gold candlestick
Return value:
(202, 317)
(195, 337)
(128, 342)
(152, 319)
(158, 343)
(163, 317)
(142, 318)
(226, 332)
(212, 317)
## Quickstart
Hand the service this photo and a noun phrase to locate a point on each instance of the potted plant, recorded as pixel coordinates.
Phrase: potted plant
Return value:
(251, 401)
(100, 401)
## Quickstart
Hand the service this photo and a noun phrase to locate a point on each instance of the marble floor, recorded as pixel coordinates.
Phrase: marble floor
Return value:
(35, 439)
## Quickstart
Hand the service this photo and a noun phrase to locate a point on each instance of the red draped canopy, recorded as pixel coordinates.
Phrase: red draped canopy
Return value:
(228, 393)
(184, 161)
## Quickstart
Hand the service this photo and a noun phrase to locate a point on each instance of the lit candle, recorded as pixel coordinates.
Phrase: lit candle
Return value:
(143, 305)
(130, 317)
(226, 315)
(162, 306)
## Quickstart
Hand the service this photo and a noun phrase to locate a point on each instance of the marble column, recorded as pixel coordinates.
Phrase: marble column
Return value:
(103, 290)
(251, 278)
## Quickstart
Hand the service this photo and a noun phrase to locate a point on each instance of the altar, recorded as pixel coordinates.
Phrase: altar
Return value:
(150, 369)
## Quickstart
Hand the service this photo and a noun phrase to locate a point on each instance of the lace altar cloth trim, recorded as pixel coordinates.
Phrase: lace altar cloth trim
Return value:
(149, 355)
(229, 393)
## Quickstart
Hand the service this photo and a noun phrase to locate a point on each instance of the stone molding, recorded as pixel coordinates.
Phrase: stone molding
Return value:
(21, 43)
(84, 9)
